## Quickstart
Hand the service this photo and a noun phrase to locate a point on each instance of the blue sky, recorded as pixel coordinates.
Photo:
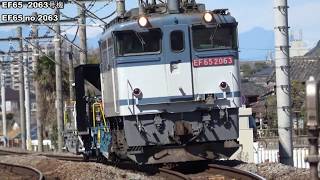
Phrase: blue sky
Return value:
(303, 14)
(251, 14)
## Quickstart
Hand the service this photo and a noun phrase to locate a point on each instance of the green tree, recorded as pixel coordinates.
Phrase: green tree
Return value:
(259, 66)
(45, 76)
(271, 111)
(94, 56)
(297, 103)
(247, 70)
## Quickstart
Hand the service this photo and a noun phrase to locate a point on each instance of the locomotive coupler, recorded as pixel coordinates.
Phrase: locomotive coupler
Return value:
(158, 122)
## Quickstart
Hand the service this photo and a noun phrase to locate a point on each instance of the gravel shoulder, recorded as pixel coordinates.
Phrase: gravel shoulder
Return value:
(276, 171)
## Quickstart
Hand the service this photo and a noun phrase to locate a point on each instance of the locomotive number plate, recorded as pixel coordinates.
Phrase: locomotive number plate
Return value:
(214, 61)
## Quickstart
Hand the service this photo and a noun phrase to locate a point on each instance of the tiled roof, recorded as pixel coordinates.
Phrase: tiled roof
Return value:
(264, 72)
(303, 68)
(251, 89)
(315, 51)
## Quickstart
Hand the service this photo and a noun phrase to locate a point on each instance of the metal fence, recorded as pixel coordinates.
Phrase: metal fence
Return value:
(273, 133)
(262, 155)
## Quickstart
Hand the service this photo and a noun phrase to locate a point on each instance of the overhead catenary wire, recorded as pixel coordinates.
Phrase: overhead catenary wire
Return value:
(81, 50)
(88, 12)
(106, 17)
(107, 3)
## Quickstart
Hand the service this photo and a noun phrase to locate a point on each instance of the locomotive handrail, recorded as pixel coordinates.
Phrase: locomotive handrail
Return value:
(98, 105)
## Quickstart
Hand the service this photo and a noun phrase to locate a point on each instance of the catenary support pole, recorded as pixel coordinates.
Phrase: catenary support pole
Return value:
(71, 72)
(83, 33)
(35, 57)
(27, 97)
(3, 101)
(21, 91)
(283, 81)
(59, 100)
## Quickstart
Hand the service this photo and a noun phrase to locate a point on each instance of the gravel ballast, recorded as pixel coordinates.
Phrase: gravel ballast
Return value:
(276, 171)
(65, 170)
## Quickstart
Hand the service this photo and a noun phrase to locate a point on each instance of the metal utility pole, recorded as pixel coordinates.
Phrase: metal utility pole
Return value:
(312, 93)
(35, 57)
(83, 33)
(121, 9)
(21, 92)
(71, 72)
(59, 101)
(27, 98)
(3, 102)
(283, 81)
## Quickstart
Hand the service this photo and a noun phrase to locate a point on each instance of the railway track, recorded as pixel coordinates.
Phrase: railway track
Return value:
(12, 171)
(59, 157)
(172, 175)
(207, 172)
(210, 172)
(214, 172)
(4, 152)
(230, 173)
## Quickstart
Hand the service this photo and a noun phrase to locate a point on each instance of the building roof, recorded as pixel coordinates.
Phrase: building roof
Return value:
(265, 72)
(249, 88)
(301, 68)
(315, 51)
(13, 95)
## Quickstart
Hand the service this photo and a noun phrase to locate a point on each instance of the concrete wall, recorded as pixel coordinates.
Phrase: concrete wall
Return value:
(246, 150)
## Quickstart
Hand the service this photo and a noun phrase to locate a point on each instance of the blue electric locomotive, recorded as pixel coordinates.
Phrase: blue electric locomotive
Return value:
(169, 82)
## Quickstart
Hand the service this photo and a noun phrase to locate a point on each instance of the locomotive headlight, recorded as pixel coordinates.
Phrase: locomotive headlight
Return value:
(137, 92)
(208, 17)
(143, 21)
(223, 86)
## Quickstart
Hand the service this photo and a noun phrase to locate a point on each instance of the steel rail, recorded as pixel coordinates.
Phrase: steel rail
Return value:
(64, 158)
(233, 172)
(7, 152)
(23, 171)
(172, 175)
(213, 169)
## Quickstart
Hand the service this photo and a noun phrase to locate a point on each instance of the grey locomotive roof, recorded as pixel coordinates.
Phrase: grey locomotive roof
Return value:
(159, 20)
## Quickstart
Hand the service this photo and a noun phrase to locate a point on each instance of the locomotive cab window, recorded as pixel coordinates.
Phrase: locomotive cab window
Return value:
(219, 37)
(135, 43)
(177, 41)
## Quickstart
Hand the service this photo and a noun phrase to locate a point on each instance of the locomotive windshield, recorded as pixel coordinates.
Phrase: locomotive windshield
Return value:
(132, 42)
(213, 38)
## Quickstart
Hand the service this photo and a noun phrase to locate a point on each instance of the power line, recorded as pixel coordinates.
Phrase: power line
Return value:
(107, 3)
(81, 50)
(88, 12)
